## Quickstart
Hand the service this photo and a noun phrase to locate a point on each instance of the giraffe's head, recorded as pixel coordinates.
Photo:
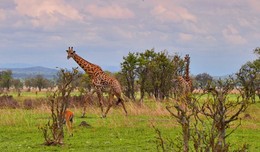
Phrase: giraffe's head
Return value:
(187, 58)
(70, 52)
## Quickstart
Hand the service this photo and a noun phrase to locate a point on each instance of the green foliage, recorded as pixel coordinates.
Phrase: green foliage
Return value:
(248, 77)
(6, 79)
(202, 80)
(17, 84)
(38, 82)
(129, 67)
(153, 73)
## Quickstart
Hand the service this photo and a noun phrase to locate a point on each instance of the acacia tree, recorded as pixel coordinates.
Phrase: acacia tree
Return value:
(203, 79)
(17, 85)
(40, 82)
(6, 79)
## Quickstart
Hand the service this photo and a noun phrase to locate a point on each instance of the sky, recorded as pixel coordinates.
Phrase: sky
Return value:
(219, 36)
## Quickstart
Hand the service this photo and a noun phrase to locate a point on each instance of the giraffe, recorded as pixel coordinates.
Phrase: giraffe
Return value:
(184, 85)
(99, 80)
(187, 72)
(186, 82)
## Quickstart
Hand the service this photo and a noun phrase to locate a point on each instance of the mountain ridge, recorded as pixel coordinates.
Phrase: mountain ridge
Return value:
(28, 72)
(50, 73)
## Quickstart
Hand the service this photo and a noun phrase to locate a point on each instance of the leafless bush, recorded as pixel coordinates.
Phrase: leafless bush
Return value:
(58, 101)
(206, 124)
(185, 109)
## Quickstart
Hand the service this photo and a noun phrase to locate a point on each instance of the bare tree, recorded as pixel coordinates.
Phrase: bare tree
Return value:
(221, 111)
(59, 101)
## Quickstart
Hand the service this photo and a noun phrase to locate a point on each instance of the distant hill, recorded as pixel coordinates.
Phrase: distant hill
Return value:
(21, 73)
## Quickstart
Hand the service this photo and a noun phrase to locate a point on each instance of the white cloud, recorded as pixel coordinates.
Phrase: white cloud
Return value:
(113, 11)
(185, 37)
(255, 4)
(172, 12)
(47, 13)
(2, 15)
(232, 35)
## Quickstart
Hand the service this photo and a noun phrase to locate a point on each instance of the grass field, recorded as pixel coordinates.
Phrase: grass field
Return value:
(19, 129)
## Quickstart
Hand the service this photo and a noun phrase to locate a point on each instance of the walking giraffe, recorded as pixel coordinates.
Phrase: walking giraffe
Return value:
(186, 82)
(100, 80)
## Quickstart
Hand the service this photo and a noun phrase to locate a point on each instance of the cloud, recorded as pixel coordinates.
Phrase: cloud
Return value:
(172, 12)
(185, 37)
(2, 15)
(232, 35)
(47, 13)
(255, 4)
(113, 11)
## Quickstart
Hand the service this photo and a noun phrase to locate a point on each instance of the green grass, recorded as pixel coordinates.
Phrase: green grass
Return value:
(115, 133)
(19, 129)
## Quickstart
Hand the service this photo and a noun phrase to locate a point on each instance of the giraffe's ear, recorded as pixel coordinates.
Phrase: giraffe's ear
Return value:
(67, 50)
(74, 51)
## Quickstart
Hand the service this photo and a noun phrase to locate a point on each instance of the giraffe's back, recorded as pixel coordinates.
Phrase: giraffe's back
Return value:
(104, 80)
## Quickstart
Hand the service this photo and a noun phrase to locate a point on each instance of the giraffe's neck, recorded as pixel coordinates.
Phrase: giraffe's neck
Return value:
(187, 70)
(90, 68)
(187, 75)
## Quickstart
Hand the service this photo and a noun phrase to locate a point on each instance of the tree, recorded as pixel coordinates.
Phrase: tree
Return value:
(221, 112)
(129, 67)
(257, 51)
(59, 101)
(40, 82)
(6, 79)
(162, 72)
(202, 80)
(28, 83)
(17, 85)
(206, 123)
(151, 72)
(248, 77)
(144, 60)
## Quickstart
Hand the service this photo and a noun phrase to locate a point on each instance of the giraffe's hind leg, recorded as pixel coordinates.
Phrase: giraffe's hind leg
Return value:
(120, 100)
(99, 93)
(123, 104)
(110, 103)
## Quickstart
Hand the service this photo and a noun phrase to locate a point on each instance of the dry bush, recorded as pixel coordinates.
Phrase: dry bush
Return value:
(7, 101)
(58, 101)
(34, 103)
(83, 100)
(158, 109)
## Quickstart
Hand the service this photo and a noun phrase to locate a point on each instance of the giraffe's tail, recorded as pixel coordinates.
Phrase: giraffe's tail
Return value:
(122, 98)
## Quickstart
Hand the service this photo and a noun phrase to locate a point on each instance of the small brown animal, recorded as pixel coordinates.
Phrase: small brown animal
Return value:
(68, 119)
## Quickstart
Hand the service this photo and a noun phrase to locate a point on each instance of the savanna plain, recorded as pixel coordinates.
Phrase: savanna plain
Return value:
(19, 127)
